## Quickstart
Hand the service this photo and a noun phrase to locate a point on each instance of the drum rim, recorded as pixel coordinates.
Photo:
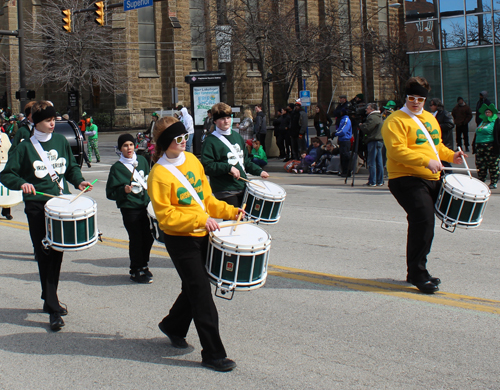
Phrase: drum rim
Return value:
(255, 190)
(88, 212)
(218, 242)
(461, 194)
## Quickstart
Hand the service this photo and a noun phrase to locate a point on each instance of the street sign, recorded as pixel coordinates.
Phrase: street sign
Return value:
(129, 5)
(305, 98)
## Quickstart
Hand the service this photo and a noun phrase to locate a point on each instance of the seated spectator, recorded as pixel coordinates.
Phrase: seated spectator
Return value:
(258, 154)
(309, 157)
(323, 160)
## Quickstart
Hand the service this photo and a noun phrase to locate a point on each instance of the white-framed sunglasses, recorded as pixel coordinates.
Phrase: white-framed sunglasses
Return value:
(181, 138)
(419, 99)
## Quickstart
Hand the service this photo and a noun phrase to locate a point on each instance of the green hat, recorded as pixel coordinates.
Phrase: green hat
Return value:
(492, 108)
(155, 114)
(391, 104)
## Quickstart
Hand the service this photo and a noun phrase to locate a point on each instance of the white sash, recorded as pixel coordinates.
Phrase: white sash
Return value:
(422, 127)
(178, 174)
(137, 176)
(43, 155)
(228, 144)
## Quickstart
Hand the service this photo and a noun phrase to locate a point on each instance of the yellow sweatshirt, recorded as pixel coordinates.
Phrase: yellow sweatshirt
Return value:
(178, 214)
(408, 151)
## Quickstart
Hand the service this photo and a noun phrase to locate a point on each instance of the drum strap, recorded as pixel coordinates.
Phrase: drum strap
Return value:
(178, 174)
(43, 155)
(231, 148)
(422, 127)
(137, 176)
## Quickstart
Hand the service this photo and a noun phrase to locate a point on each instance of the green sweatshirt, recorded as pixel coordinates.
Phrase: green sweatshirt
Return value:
(260, 154)
(90, 129)
(25, 166)
(218, 160)
(119, 176)
(484, 133)
(22, 134)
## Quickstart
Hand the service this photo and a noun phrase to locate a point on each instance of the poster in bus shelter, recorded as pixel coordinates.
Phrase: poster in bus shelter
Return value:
(204, 98)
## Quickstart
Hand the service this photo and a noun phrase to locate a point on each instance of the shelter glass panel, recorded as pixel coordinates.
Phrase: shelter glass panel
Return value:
(422, 35)
(451, 7)
(481, 71)
(472, 6)
(497, 27)
(454, 74)
(479, 30)
(427, 65)
(418, 10)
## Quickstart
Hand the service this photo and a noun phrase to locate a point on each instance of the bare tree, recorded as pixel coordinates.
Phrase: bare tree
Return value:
(80, 60)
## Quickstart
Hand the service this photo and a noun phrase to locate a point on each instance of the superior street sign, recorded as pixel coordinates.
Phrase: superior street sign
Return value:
(135, 4)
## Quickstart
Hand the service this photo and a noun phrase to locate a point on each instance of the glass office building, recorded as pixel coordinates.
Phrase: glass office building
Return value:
(452, 44)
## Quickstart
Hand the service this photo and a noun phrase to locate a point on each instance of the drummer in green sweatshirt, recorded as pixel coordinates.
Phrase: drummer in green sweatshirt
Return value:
(39, 166)
(127, 185)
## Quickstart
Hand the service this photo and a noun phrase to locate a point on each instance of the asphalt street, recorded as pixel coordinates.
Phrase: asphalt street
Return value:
(335, 312)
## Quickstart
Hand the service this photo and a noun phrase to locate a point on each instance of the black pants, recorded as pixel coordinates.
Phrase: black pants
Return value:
(288, 145)
(235, 200)
(344, 151)
(136, 222)
(417, 197)
(262, 139)
(49, 260)
(280, 142)
(195, 301)
(463, 130)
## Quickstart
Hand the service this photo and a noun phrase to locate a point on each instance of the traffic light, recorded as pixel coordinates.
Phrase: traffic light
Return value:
(99, 12)
(67, 20)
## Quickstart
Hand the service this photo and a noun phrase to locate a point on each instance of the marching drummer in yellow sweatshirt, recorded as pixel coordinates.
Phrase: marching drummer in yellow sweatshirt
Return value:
(414, 166)
(182, 200)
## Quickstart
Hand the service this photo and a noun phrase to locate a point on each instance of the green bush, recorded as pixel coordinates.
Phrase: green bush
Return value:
(102, 120)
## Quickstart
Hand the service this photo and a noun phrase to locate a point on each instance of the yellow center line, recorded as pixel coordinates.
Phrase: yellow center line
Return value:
(365, 285)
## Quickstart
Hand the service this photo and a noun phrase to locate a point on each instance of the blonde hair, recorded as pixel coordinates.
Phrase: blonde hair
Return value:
(161, 125)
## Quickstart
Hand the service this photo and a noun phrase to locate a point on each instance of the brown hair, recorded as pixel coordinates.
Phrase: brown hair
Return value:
(27, 108)
(221, 109)
(161, 125)
(417, 80)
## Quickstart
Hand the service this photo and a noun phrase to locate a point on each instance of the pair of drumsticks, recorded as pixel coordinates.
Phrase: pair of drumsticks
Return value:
(72, 200)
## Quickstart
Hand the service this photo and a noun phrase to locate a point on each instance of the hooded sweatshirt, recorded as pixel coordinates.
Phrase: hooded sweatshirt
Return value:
(187, 120)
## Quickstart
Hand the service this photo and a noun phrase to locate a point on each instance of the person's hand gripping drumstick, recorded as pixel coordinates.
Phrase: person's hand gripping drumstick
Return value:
(241, 213)
(211, 225)
(84, 187)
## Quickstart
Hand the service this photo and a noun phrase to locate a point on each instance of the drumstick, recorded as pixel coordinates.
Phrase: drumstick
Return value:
(81, 193)
(41, 193)
(240, 215)
(465, 162)
(134, 164)
(201, 230)
(249, 181)
(459, 169)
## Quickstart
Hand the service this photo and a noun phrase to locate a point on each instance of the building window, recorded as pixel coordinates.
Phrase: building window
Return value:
(147, 45)
(420, 39)
(197, 16)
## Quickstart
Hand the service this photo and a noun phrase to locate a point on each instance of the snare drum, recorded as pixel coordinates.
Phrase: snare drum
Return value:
(9, 198)
(157, 233)
(264, 201)
(237, 260)
(461, 202)
(70, 226)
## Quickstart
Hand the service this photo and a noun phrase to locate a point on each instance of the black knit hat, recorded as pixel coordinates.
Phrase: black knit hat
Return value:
(42, 114)
(167, 136)
(124, 138)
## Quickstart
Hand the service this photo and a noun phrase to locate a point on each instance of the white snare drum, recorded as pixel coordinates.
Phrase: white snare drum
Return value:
(237, 260)
(70, 226)
(157, 233)
(264, 201)
(9, 198)
(461, 202)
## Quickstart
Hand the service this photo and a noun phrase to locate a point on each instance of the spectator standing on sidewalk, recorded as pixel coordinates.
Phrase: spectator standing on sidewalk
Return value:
(372, 137)
(260, 127)
(462, 115)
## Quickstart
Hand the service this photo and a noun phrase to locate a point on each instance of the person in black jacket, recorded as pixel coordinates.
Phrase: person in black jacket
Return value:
(446, 124)
(483, 99)
(280, 140)
(260, 127)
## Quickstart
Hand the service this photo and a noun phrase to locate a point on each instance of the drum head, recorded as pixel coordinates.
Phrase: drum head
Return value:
(267, 189)
(470, 187)
(245, 236)
(62, 206)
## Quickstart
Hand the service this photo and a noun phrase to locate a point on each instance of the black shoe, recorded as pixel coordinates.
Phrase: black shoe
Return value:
(98, 161)
(62, 310)
(89, 165)
(9, 217)
(435, 281)
(140, 277)
(426, 287)
(56, 322)
(223, 364)
(147, 272)
(177, 341)
(466, 148)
